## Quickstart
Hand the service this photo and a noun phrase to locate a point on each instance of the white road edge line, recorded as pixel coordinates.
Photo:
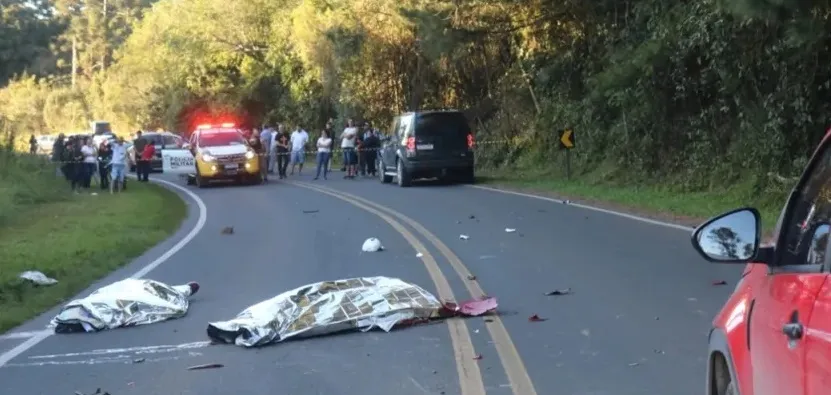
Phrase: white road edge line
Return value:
(200, 223)
(587, 207)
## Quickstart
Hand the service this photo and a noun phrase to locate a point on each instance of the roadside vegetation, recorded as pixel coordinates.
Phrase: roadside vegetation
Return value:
(685, 107)
(75, 239)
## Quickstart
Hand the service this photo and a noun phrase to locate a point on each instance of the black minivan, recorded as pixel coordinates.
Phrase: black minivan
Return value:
(427, 144)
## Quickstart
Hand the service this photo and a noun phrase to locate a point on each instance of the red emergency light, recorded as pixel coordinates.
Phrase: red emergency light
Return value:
(228, 125)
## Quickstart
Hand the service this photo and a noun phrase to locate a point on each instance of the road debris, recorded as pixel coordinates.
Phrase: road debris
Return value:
(125, 303)
(206, 366)
(464, 237)
(558, 292)
(419, 255)
(228, 230)
(477, 357)
(372, 245)
(471, 217)
(536, 318)
(510, 230)
(138, 360)
(333, 306)
(97, 392)
(488, 319)
(310, 211)
(37, 278)
(719, 282)
(471, 277)
(633, 364)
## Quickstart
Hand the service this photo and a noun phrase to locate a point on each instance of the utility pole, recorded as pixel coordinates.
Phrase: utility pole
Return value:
(74, 59)
(106, 38)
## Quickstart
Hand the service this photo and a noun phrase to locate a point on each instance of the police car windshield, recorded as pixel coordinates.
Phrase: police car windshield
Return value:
(220, 138)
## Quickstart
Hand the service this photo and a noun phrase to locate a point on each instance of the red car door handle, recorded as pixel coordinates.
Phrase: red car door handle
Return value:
(793, 329)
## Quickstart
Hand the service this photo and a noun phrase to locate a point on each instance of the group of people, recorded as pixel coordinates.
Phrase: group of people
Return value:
(78, 160)
(358, 145)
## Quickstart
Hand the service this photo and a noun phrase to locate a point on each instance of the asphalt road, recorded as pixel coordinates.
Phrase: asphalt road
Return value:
(636, 322)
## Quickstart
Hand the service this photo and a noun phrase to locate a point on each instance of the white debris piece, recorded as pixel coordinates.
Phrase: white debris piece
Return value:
(510, 230)
(372, 244)
(464, 237)
(419, 255)
(37, 278)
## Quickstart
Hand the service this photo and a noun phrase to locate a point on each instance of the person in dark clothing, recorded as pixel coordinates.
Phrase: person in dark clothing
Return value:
(372, 143)
(259, 149)
(77, 163)
(57, 152)
(33, 145)
(138, 148)
(105, 155)
(282, 151)
(67, 167)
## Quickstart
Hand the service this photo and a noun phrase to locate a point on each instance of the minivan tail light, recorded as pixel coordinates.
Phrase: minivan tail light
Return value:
(411, 146)
(471, 141)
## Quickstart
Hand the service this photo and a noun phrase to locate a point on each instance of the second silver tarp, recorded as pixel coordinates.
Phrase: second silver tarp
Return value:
(333, 306)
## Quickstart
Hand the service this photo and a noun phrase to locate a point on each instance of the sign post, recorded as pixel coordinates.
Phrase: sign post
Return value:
(567, 144)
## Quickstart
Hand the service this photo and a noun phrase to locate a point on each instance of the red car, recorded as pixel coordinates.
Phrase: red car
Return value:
(773, 336)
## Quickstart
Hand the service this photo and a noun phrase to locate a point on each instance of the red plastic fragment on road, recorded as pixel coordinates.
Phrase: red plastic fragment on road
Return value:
(720, 282)
(536, 318)
(469, 308)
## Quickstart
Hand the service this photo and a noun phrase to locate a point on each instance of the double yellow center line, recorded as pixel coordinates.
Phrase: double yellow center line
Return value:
(470, 376)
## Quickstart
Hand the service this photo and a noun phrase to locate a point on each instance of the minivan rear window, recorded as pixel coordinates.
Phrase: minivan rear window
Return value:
(452, 124)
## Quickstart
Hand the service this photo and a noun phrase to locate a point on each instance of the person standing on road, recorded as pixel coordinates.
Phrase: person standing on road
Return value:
(299, 139)
(118, 164)
(281, 150)
(372, 143)
(347, 144)
(89, 161)
(138, 147)
(147, 155)
(104, 159)
(324, 150)
(257, 146)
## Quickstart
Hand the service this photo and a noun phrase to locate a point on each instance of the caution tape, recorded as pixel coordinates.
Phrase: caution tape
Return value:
(285, 153)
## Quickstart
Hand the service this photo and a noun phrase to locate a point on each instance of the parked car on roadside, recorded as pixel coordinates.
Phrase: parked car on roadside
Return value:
(773, 335)
(162, 140)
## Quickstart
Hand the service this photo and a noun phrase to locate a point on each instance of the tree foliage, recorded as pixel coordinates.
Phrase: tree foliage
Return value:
(704, 92)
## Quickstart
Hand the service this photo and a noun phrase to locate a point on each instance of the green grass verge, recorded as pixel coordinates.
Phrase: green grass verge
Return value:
(684, 207)
(77, 241)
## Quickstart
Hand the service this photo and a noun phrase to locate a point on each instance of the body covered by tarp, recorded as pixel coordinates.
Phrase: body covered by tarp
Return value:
(332, 306)
(125, 303)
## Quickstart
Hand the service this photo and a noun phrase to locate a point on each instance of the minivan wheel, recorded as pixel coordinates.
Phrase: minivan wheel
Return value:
(401, 175)
(382, 172)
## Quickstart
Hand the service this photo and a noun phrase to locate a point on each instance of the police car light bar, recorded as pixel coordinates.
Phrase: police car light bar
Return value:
(205, 126)
(228, 125)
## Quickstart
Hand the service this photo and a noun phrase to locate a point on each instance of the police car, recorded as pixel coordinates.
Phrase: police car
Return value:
(221, 153)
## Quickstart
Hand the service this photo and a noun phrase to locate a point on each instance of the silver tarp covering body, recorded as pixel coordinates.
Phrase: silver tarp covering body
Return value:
(125, 303)
(326, 307)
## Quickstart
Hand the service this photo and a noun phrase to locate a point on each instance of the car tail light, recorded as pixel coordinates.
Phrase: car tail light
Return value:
(411, 146)
(470, 141)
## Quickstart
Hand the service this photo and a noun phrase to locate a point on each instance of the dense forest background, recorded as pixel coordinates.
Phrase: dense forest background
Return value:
(703, 94)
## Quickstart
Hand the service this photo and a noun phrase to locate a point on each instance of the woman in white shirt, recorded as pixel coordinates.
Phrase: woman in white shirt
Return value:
(89, 162)
(324, 149)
